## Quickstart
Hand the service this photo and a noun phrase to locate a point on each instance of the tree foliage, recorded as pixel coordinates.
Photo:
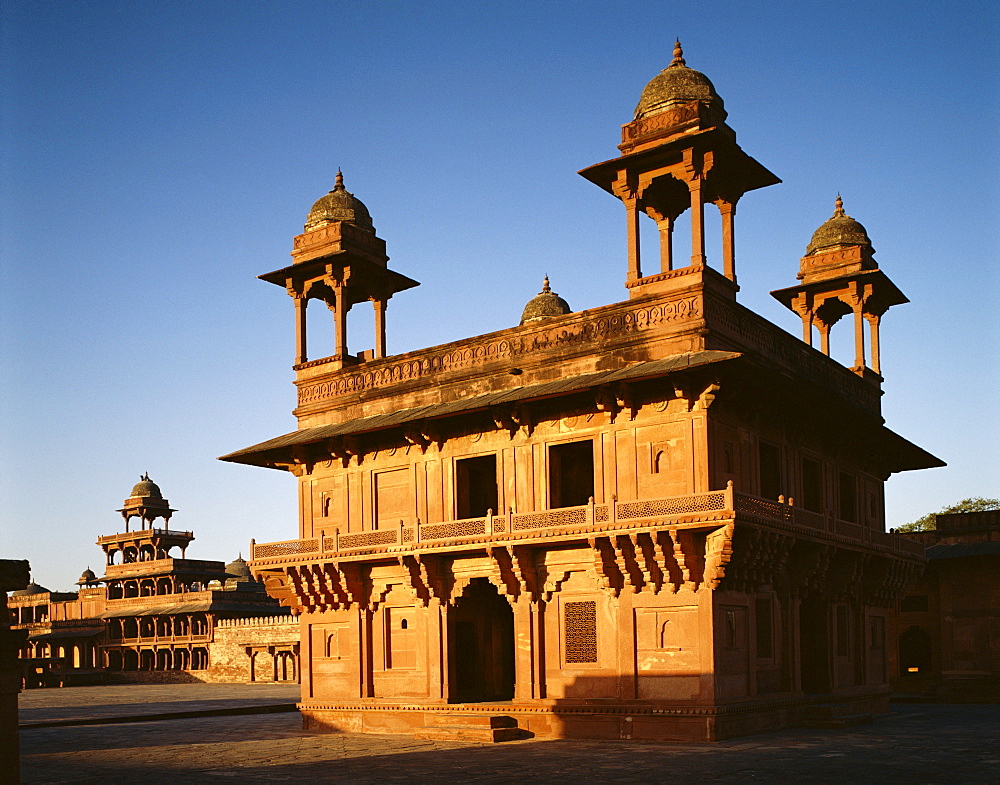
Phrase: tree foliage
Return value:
(929, 521)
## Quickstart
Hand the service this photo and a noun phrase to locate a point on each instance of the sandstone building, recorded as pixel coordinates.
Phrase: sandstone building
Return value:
(946, 627)
(155, 613)
(661, 518)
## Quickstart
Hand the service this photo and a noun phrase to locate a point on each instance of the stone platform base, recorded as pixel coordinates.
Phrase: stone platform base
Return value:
(556, 720)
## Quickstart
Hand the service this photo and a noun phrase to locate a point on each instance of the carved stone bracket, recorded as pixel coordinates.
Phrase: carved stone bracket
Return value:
(609, 574)
(513, 419)
(718, 553)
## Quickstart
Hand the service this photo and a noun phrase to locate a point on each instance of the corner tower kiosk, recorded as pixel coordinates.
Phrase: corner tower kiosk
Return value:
(656, 519)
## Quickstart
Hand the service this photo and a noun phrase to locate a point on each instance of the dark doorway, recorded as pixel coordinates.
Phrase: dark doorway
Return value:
(475, 486)
(914, 652)
(480, 646)
(571, 474)
(814, 645)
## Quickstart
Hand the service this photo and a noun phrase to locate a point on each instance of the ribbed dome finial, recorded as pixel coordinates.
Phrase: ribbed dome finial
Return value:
(678, 60)
(339, 205)
(838, 229)
(544, 304)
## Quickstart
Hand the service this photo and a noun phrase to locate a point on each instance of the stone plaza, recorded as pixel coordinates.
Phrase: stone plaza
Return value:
(914, 743)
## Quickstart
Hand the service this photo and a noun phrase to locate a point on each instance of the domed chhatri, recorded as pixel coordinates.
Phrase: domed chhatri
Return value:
(145, 489)
(31, 588)
(545, 304)
(238, 569)
(676, 84)
(88, 578)
(339, 205)
(840, 229)
(146, 502)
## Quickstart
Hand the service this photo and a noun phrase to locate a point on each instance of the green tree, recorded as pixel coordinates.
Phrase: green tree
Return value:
(929, 521)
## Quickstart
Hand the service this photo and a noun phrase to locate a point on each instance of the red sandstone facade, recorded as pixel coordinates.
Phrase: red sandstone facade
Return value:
(657, 519)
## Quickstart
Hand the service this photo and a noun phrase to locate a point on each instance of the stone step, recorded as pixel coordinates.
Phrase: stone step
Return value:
(823, 711)
(836, 721)
(482, 734)
(449, 720)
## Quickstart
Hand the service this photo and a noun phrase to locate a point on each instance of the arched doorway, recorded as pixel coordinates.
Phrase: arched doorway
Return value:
(480, 646)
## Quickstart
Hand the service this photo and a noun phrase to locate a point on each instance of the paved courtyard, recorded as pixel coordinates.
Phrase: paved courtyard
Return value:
(916, 744)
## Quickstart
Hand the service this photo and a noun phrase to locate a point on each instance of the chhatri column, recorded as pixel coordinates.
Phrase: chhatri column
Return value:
(380, 305)
(634, 256)
(300, 329)
(340, 319)
(873, 323)
(728, 212)
(824, 338)
(859, 337)
(665, 225)
(697, 222)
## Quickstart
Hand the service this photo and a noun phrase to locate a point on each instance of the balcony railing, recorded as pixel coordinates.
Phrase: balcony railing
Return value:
(169, 564)
(616, 515)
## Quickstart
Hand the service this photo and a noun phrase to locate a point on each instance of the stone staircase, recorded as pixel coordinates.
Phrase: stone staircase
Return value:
(833, 715)
(483, 728)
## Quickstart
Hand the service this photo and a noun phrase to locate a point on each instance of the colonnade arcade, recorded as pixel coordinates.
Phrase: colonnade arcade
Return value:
(77, 654)
(274, 662)
(157, 658)
(132, 554)
(156, 628)
(153, 587)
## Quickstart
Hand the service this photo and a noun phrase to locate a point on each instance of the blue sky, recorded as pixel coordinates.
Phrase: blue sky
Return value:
(157, 156)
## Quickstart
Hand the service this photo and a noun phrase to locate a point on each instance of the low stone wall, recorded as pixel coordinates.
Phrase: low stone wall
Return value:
(255, 649)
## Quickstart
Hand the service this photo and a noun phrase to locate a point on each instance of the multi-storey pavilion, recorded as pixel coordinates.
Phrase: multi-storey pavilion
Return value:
(153, 610)
(660, 518)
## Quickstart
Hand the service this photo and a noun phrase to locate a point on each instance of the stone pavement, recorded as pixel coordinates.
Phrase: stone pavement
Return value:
(76, 705)
(917, 744)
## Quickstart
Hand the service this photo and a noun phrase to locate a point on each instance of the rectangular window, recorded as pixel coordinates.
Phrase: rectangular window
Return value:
(770, 470)
(765, 628)
(580, 632)
(812, 485)
(571, 474)
(475, 486)
(848, 493)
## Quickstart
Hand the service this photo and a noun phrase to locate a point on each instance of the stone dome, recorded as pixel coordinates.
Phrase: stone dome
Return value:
(339, 205)
(31, 588)
(146, 488)
(840, 229)
(676, 84)
(239, 569)
(88, 577)
(544, 304)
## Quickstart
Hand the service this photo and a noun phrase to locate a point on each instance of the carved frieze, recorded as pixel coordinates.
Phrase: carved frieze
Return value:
(594, 331)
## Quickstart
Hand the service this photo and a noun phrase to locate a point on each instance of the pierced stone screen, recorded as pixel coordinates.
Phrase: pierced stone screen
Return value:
(580, 626)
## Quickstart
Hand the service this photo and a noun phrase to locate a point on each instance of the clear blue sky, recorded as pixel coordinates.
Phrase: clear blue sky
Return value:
(157, 156)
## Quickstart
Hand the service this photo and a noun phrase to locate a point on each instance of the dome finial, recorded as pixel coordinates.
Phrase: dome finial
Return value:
(545, 284)
(339, 185)
(838, 211)
(678, 60)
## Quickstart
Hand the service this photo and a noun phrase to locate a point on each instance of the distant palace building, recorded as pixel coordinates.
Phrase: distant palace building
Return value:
(661, 518)
(155, 614)
(947, 625)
